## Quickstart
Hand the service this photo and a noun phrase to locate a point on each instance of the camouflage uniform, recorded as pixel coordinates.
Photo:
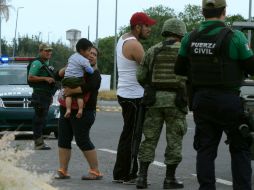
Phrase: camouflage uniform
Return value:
(156, 72)
(164, 109)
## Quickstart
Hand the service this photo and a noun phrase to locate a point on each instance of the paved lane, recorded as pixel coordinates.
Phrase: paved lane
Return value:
(105, 134)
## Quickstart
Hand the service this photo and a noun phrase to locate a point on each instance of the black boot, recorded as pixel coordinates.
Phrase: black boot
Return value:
(170, 181)
(40, 145)
(141, 182)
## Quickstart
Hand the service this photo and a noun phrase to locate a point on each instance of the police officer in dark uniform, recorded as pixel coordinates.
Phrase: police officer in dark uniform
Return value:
(215, 59)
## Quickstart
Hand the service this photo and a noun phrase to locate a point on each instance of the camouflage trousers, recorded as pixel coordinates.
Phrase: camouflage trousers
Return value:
(176, 128)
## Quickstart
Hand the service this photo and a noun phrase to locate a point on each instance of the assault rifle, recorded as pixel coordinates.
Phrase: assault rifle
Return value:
(247, 95)
(50, 70)
(147, 100)
(138, 131)
(247, 91)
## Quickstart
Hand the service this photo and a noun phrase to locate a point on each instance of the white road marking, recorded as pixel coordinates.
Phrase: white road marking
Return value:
(160, 164)
(218, 180)
(108, 150)
(114, 152)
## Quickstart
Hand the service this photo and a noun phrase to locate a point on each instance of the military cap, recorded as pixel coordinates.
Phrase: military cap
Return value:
(174, 26)
(208, 4)
(45, 46)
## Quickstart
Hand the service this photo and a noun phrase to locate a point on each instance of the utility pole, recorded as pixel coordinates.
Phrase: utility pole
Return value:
(39, 36)
(249, 31)
(0, 35)
(114, 79)
(97, 19)
(88, 32)
(48, 36)
(14, 41)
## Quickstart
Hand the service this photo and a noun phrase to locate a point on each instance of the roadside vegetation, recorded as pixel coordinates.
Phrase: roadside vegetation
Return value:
(109, 95)
(15, 174)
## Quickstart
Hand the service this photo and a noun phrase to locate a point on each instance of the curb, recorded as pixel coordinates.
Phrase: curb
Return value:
(119, 109)
(108, 108)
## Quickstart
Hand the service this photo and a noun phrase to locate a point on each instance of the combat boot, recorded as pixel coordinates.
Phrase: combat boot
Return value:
(40, 145)
(141, 182)
(170, 182)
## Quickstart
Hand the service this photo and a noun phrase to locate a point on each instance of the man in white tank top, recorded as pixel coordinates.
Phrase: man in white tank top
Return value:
(129, 93)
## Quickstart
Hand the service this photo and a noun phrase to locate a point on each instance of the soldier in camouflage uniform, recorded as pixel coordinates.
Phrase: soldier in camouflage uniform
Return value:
(157, 71)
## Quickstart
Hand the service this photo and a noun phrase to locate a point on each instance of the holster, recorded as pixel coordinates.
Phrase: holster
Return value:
(149, 97)
(181, 99)
(246, 128)
(190, 95)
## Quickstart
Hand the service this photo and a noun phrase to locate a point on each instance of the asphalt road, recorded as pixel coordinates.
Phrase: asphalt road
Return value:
(105, 134)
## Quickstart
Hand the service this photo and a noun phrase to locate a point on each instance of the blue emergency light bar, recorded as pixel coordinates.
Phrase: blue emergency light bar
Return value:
(4, 59)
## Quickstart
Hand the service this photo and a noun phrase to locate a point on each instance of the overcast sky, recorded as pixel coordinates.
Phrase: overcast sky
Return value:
(52, 18)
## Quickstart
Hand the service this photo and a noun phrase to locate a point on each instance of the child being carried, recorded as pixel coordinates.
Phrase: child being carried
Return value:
(78, 66)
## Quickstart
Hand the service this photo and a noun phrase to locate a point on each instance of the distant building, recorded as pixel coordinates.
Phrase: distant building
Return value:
(73, 36)
(105, 82)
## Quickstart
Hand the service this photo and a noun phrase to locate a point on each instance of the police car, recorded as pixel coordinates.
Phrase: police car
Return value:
(16, 112)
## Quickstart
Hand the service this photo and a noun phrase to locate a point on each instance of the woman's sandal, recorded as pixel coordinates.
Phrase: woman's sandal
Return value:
(62, 174)
(92, 175)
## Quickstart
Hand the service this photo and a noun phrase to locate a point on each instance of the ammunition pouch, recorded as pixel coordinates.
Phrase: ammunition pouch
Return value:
(149, 97)
(181, 99)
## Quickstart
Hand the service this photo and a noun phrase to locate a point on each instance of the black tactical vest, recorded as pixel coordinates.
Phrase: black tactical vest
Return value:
(210, 64)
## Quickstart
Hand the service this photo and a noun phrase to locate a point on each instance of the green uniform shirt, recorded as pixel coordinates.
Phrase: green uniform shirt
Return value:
(35, 70)
(238, 47)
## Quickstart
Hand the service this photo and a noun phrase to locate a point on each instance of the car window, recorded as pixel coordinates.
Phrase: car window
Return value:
(12, 76)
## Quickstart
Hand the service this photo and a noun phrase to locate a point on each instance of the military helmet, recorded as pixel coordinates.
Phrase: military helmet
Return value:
(174, 26)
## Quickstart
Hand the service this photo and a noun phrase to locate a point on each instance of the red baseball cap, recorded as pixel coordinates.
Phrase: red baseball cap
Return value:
(141, 18)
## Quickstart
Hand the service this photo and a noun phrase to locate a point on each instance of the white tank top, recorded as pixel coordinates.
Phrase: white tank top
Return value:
(128, 86)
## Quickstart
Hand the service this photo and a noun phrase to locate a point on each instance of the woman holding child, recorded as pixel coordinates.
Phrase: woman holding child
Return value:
(80, 127)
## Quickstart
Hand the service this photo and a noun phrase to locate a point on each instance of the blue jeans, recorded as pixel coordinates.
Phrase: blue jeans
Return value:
(216, 112)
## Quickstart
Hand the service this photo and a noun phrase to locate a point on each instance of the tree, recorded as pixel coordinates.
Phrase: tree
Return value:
(230, 19)
(60, 55)
(106, 58)
(4, 10)
(191, 16)
(29, 47)
(160, 14)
